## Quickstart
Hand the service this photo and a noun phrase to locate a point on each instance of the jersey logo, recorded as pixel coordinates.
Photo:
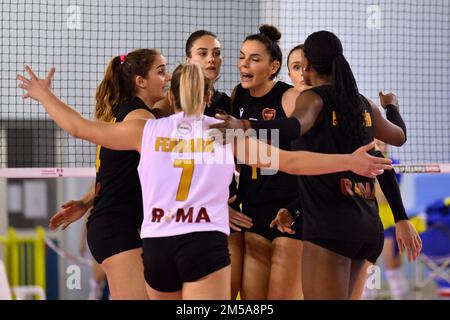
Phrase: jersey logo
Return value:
(184, 128)
(269, 114)
(241, 112)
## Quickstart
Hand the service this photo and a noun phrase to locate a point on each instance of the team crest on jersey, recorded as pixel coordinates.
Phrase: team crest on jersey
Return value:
(184, 128)
(269, 114)
(241, 112)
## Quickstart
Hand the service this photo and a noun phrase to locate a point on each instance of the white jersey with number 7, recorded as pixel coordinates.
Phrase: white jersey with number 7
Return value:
(184, 176)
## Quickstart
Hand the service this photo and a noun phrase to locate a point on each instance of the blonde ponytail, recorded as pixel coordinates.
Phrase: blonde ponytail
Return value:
(192, 88)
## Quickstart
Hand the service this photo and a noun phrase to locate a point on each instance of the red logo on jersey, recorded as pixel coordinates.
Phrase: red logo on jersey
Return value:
(269, 114)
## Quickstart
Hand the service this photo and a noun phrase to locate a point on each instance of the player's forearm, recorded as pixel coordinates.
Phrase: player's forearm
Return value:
(391, 190)
(249, 151)
(393, 115)
(311, 163)
(65, 117)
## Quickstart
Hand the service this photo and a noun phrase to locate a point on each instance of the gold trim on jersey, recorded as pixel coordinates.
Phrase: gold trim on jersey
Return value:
(367, 119)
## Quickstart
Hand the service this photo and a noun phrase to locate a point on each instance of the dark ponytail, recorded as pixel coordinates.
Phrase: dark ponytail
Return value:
(324, 51)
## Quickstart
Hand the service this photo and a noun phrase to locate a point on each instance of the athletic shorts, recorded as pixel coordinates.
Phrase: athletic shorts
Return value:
(108, 235)
(353, 250)
(262, 216)
(171, 261)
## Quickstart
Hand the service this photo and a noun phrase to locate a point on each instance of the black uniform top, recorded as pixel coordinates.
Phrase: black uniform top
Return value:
(117, 185)
(219, 100)
(341, 205)
(254, 188)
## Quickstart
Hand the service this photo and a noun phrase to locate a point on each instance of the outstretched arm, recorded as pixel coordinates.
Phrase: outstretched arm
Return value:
(118, 136)
(247, 150)
(311, 163)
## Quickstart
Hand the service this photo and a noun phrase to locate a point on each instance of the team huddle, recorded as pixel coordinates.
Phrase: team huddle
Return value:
(182, 211)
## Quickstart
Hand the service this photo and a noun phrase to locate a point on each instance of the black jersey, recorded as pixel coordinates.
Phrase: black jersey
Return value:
(341, 205)
(254, 188)
(220, 101)
(117, 185)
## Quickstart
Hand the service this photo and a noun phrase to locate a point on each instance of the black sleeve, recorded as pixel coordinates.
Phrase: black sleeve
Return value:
(393, 115)
(389, 186)
(289, 127)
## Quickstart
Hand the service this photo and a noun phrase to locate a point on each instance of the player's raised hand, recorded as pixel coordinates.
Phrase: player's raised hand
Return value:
(35, 88)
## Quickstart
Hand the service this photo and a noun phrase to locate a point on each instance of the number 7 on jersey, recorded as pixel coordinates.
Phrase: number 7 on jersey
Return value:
(186, 177)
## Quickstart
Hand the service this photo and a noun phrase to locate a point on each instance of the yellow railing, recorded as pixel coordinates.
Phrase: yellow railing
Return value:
(24, 258)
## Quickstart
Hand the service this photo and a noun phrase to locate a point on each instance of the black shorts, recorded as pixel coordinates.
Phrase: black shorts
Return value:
(354, 250)
(108, 235)
(262, 216)
(171, 261)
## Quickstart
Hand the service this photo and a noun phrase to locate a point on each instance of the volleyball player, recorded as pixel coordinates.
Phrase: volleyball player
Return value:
(284, 219)
(187, 258)
(268, 253)
(341, 226)
(130, 87)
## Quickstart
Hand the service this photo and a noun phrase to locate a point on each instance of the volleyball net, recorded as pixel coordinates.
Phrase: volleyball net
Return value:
(398, 46)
